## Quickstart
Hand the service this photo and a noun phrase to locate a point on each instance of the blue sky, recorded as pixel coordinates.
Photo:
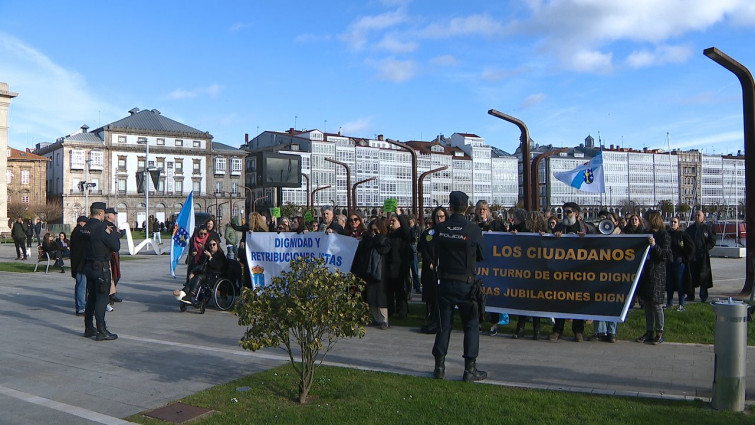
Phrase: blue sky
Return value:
(627, 71)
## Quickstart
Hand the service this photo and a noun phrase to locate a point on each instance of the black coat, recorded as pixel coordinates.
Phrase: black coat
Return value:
(652, 286)
(400, 257)
(704, 238)
(78, 251)
(375, 293)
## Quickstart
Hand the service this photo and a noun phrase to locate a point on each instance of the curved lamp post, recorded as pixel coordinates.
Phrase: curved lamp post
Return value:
(748, 106)
(312, 201)
(413, 154)
(536, 177)
(354, 191)
(348, 182)
(525, 145)
(421, 216)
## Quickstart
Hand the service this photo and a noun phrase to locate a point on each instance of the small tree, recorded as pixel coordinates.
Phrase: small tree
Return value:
(309, 306)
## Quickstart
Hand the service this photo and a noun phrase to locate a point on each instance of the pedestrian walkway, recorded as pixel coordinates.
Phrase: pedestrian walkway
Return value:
(50, 374)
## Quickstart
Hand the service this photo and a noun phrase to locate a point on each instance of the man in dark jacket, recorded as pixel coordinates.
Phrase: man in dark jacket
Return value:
(18, 233)
(111, 219)
(38, 231)
(78, 254)
(571, 223)
(704, 238)
(103, 240)
(459, 245)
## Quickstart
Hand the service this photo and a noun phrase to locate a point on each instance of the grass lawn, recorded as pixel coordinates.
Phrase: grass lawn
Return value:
(694, 325)
(28, 265)
(348, 396)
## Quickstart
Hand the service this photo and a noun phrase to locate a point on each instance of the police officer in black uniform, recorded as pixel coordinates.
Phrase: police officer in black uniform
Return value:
(102, 240)
(458, 247)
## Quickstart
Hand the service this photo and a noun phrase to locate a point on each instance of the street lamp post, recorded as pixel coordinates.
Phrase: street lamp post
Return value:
(525, 145)
(354, 191)
(536, 177)
(748, 106)
(312, 202)
(348, 183)
(413, 154)
(146, 188)
(421, 216)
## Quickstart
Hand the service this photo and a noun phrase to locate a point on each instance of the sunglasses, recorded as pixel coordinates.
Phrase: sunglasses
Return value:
(354, 219)
(213, 244)
(568, 211)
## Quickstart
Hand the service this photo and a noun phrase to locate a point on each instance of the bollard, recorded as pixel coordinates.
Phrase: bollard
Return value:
(729, 367)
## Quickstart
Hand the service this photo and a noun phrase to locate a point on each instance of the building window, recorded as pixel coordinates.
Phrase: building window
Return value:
(236, 165)
(121, 139)
(77, 159)
(219, 165)
(121, 186)
(96, 160)
(161, 142)
(218, 187)
(24, 176)
(179, 166)
(25, 199)
(121, 163)
(234, 188)
(140, 163)
(197, 144)
(197, 166)
(196, 187)
(179, 186)
(160, 163)
(179, 142)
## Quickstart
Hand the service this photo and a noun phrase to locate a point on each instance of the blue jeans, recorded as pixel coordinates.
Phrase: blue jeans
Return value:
(602, 327)
(80, 292)
(675, 281)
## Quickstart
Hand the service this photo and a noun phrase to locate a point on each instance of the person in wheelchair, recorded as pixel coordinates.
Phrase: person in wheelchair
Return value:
(210, 266)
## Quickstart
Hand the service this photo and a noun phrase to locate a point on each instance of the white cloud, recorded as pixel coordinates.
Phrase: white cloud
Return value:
(469, 25)
(588, 28)
(391, 43)
(212, 90)
(238, 26)
(359, 126)
(358, 32)
(590, 61)
(395, 70)
(52, 101)
(494, 74)
(532, 100)
(661, 55)
(444, 60)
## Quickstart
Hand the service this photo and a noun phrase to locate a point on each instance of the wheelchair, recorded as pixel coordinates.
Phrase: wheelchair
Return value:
(220, 288)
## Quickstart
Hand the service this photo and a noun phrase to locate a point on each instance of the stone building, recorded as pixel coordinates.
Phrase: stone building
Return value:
(25, 178)
(143, 164)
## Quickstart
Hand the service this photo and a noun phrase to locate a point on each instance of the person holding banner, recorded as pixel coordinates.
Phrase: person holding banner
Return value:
(571, 223)
(329, 224)
(605, 330)
(534, 223)
(488, 224)
(458, 246)
(652, 285)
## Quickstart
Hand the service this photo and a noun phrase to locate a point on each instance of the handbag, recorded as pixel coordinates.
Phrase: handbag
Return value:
(374, 269)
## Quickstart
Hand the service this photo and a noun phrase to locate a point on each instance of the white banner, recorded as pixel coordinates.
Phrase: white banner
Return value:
(269, 253)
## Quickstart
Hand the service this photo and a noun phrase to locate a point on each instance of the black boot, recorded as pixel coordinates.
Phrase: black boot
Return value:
(89, 331)
(519, 332)
(471, 373)
(440, 368)
(104, 335)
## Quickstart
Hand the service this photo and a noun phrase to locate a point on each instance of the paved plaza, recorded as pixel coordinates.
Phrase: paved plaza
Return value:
(49, 373)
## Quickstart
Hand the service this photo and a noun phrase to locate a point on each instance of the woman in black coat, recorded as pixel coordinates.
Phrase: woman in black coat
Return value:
(428, 278)
(370, 265)
(652, 286)
(399, 258)
(682, 250)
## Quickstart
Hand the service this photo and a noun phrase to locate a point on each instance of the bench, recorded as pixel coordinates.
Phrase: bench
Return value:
(44, 257)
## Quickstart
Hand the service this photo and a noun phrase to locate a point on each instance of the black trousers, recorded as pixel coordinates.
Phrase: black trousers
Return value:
(98, 294)
(577, 326)
(450, 294)
(20, 247)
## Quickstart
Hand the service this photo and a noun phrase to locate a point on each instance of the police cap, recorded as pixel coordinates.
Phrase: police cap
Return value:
(98, 206)
(111, 210)
(82, 218)
(458, 198)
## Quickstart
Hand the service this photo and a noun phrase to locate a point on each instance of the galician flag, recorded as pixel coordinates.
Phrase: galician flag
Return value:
(181, 232)
(587, 177)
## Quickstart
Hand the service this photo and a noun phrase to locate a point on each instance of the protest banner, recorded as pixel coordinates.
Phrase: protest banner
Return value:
(268, 254)
(592, 277)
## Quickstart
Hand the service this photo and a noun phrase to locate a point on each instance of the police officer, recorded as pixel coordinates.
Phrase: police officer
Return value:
(102, 240)
(111, 219)
(458, 247)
